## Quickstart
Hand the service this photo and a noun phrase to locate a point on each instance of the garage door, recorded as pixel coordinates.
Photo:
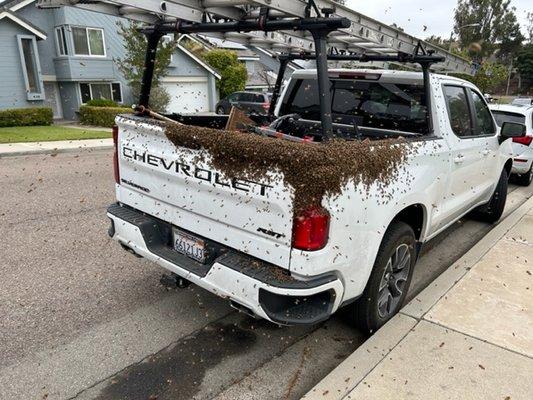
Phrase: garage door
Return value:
(187, 97)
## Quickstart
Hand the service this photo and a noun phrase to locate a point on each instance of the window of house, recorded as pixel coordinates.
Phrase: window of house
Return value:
(93, 91)
(458, 110)
(88, 41)
(29, 58)
(166, 40)
(61, 38)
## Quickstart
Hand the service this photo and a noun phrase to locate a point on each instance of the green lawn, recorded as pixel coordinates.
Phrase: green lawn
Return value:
(48, 133)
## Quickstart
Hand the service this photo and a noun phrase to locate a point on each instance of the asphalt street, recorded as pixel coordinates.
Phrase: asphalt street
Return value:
(81, 318)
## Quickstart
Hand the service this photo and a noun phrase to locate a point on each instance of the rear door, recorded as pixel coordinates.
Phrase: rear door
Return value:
(468, 152)
(246, 102)
(486, 132)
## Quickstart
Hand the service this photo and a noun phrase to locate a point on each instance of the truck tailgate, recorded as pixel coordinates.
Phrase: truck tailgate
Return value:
(177, 186)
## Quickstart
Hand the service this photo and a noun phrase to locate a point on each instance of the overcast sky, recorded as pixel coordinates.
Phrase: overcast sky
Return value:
(412, 15)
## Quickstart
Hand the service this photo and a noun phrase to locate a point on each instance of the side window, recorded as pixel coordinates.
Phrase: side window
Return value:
(29, 57)
(249, 97)
(458, 110)
(485, 124)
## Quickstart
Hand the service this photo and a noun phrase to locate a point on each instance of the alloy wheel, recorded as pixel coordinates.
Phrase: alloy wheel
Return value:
(393, 281)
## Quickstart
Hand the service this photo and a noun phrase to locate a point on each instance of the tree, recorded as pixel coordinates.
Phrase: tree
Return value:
(524, 64)
(233, 73)
(498, 27)
(132, 65)
(488, 77)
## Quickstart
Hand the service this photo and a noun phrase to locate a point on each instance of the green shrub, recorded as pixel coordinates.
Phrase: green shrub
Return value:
(101, 116)
(233, 73)
(26, 116)
(102, 103)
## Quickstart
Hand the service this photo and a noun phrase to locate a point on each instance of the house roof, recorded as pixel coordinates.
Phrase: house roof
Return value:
(6, 13)
(14, 5)
(243, 52)
(199, 61)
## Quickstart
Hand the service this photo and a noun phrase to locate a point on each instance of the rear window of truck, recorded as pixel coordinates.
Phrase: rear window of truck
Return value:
(503, 116)
(372, 104)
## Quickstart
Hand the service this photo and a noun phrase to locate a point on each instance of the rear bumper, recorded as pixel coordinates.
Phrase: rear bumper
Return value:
(522, 159)
(261, 288)
(522, 164)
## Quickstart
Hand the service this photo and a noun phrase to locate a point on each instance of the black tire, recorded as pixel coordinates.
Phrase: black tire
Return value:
(493, 210)
(525, 179)
(220, 111)
(375, 307)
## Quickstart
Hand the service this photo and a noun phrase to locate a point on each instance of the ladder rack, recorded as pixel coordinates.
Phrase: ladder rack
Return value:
(364, 35)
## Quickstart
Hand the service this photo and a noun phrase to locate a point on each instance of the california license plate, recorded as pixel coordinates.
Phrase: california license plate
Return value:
(189, 245)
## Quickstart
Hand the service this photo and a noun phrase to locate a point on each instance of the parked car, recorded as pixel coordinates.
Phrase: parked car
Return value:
(523, 101)
(249, 102)
(522, 146)
(242, 239)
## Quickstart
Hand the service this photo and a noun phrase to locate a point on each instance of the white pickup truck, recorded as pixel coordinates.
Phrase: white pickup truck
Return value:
(240, 238)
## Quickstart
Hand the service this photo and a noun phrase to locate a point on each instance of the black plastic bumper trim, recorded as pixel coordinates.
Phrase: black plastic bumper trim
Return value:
(157, 235)
(297, 310)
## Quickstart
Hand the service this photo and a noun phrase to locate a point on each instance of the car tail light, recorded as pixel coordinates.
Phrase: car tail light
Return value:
(115, 154)
(525, 140)
(311, 229)
(266, 106)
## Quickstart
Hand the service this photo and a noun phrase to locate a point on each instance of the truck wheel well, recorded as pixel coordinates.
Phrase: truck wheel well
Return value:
(414, 217)
(508, 166)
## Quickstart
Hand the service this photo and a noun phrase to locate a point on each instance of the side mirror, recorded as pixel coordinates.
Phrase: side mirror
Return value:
(512, 130)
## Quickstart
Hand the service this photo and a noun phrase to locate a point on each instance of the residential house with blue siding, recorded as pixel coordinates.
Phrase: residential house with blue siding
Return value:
(65, 57)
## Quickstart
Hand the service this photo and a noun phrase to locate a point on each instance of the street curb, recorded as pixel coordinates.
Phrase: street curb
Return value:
(30, 152)
(351, 372)
(341, 381)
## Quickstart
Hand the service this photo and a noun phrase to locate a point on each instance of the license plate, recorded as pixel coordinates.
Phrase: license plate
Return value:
(189, 245)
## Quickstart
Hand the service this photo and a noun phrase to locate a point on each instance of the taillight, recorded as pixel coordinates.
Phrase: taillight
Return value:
(266, 106)
(525, 140)
(310, 229)
(115, 154)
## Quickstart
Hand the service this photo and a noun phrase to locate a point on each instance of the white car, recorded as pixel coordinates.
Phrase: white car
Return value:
(522, 101)
(240, 236)
(522, 146)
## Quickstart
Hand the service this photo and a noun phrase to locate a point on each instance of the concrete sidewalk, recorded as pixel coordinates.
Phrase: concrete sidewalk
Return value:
(467, 336)
(62, 146)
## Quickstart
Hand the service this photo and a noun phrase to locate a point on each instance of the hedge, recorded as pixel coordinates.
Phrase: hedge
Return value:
(102, 103)
(101, 116)
(26, 116)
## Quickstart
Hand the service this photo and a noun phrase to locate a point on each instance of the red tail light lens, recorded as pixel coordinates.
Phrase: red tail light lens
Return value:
(311, 229)
(115, 154)
(266, 106)
(525, 140)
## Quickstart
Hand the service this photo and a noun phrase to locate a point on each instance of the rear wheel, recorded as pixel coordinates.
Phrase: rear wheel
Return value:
(525, 179)
(390, 279)
(493, 210)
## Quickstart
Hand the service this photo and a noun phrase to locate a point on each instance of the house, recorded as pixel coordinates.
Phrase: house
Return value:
(261, 64)
(64, 57)
(191, 83)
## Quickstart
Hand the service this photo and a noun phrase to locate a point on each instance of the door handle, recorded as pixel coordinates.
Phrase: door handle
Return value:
(459, 159)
